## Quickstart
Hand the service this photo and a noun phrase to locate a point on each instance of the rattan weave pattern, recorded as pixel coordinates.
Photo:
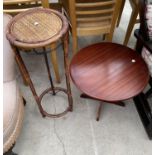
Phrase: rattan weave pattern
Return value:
(36, 26)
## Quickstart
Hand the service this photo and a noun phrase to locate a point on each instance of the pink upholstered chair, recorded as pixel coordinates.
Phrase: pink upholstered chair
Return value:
(12, 100)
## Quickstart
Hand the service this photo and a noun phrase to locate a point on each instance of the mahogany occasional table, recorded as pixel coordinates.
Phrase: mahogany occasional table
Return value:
(38, 28)
(109, 72)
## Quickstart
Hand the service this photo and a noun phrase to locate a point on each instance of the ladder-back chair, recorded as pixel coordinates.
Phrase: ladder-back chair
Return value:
(91, 17)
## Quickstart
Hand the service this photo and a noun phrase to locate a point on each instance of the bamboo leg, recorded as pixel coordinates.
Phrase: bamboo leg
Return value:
(48, 70)
(66, 65)
(55, 62)
(24, 71)
(24, 80)
(131, 25)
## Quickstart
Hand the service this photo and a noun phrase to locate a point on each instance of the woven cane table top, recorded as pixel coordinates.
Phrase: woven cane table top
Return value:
(36, 26)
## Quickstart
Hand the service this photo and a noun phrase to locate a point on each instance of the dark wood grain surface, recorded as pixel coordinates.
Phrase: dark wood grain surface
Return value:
(109, 71)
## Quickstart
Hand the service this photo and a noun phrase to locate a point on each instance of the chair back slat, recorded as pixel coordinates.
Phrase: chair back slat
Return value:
(16, 6)
(15, 11)
(94, 4)
(90, 12)
(95, 19)
(8, 2)
(94, 13)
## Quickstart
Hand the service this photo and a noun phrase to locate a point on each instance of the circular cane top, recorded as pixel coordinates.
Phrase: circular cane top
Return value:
(109, 72)
(36, 27)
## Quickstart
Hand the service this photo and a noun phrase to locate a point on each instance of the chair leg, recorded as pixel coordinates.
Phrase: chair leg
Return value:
(139, 46)
(99, 112)
(104, 36)
(148, 93)
(145, 112)
(55, 62)
(131, 24)
(45, 3)
(120, 13)
(75, 44)
(108, 37)
(24, 80)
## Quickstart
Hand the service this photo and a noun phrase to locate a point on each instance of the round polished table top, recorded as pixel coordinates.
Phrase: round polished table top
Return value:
(109, 72)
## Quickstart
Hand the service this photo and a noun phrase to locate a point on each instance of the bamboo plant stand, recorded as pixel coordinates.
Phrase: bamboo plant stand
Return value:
(38, 28)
